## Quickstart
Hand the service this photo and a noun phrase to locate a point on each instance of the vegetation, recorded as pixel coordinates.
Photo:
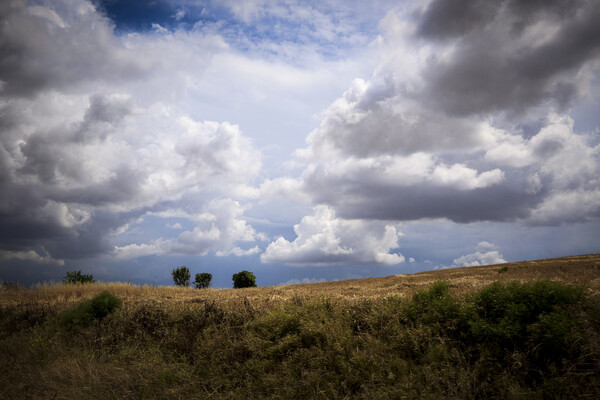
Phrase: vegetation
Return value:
(403, 337)
(203, 280)
(89, 311)
(503, 269)
(244, 279)
(9, 285)
(181, 276)
(76, 277)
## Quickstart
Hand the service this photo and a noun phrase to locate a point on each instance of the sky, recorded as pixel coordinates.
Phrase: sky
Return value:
(301, 140)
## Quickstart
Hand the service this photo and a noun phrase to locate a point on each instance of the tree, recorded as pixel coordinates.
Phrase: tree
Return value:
(202, 280)
(181, 276)
(78, 277)
(244, 279)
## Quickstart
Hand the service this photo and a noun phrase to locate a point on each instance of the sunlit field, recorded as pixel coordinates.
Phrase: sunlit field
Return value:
(520, 330)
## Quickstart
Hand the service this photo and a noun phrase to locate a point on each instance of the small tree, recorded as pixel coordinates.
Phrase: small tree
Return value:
(244, 279)
(181, 276)
(202, 280)
(78, 277)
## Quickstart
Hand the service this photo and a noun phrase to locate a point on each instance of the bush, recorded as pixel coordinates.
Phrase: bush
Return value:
(202, 280)
(507, 313)
(181, 276)
(76, 277)
(88, 311)
(244, 279)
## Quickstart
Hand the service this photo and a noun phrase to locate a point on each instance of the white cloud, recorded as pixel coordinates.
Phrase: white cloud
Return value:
(238, 252)
(567, 207)
(324, 239)
(302, 281)
(486, 254)
(219, 226)
(130, 251)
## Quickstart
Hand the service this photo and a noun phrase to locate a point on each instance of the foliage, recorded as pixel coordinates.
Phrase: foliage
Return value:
(181, 276)
(244, 279)
(203, 280)
(88, 311)
(75, 277)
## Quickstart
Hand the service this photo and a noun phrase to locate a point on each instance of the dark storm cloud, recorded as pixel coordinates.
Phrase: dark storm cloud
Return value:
(368, 199)
(450, 18)
(498, 65)
(30, 36)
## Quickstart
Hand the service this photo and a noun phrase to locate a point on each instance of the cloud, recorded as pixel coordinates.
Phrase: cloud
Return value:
(302, 281)
(486, 254)
(30, 255)
(38, 52)
(446, 128)
(541, 54)
(92, 138)
(218, 227)
(323, 239)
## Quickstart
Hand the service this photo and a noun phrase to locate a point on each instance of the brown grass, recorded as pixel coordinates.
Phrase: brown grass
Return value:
(581, 270)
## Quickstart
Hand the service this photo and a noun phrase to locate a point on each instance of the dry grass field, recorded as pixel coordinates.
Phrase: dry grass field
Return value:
(524, 330)
(581, 270)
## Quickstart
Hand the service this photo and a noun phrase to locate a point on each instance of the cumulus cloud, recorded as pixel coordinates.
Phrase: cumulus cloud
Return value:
(218, 227)
(485, 254)
(92, 139)
(99, 129)
(324, 239)
(446, 128)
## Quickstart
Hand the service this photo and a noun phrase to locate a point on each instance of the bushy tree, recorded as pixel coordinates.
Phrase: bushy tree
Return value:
(181, 276)
(202, 280)
(78, 277)
(244, 279)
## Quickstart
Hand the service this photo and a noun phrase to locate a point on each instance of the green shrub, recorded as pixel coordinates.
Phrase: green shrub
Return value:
(75, 277)
(181, 276)
(503, 269)
(244, 279)
(504, 311)
(88, 311)
(537, 322)
(203, 280)
(436, 305)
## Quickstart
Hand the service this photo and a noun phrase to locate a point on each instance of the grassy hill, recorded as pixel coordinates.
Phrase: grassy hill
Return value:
(519, 330)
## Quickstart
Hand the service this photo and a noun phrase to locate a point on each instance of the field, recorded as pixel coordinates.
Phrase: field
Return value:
(520, 330)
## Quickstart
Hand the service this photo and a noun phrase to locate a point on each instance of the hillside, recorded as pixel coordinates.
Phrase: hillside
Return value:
(519, 330)
(575, 270)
